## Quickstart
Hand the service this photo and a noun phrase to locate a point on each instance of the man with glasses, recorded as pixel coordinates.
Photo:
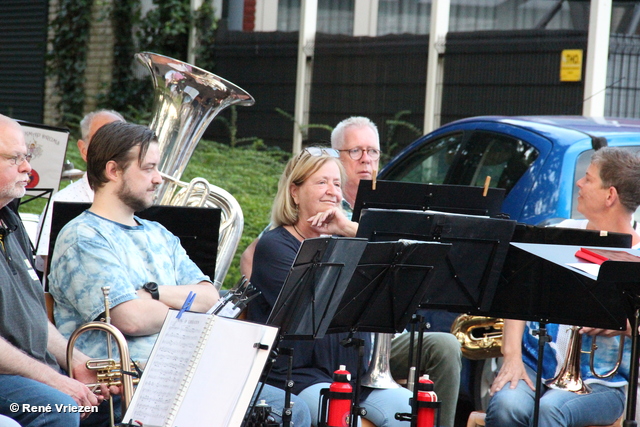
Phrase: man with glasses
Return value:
(32, 349)
(358, 143)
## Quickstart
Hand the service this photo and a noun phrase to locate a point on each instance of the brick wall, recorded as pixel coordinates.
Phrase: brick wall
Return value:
(99, 60)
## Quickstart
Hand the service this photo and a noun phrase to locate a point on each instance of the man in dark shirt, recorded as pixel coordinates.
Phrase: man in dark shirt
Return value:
(34, 390)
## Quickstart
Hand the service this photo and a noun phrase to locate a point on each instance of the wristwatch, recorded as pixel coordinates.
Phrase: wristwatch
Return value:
(152, 288)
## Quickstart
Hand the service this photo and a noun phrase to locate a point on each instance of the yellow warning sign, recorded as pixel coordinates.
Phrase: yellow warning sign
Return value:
(571, 65)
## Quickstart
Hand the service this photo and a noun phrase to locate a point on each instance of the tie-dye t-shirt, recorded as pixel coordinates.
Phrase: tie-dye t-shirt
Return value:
(92, 252)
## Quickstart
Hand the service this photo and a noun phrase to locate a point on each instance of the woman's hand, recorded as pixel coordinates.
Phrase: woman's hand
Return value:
(512, 371)
(333, 221)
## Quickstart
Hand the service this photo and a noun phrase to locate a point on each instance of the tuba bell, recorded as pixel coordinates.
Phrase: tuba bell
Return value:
(186, 100)
(378, 373)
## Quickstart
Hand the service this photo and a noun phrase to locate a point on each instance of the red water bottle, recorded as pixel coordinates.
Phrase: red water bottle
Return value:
(340, 395)
(426, 415)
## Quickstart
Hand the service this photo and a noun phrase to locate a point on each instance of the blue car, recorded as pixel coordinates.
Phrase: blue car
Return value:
(536, 159)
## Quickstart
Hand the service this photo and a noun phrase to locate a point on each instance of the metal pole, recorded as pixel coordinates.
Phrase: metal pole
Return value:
(597, 58)
(435, 63)
(306, 41)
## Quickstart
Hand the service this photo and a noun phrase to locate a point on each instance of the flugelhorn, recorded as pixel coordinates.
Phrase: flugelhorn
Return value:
(186, 100)
(569, 377)
(108, 371)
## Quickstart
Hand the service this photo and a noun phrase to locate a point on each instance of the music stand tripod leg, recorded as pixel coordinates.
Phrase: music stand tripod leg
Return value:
(543, 338)
(630, 418)
(356, 410)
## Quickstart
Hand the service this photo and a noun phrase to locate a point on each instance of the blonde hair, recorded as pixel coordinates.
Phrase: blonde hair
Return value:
(296, 172)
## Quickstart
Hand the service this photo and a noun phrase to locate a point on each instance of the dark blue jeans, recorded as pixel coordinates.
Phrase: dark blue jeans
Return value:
(27, 401)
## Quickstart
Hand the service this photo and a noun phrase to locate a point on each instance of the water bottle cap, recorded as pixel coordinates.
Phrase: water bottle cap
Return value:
(425, 384)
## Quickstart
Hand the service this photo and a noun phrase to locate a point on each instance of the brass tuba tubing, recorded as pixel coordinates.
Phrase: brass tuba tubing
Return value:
(480, 337)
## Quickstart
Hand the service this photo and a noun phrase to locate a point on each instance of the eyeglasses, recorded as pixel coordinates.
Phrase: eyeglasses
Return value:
(18, 159)
(356, 153)
(321, 151)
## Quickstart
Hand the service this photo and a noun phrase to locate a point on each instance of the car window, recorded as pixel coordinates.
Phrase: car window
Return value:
(430, 163)
(582, 163)
(503, 158)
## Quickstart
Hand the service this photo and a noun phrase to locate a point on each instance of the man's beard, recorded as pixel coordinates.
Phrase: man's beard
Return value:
(12, 191)
(134, 202)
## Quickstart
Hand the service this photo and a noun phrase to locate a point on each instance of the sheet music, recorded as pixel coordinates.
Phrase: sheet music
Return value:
(171, 357)
(222, 386)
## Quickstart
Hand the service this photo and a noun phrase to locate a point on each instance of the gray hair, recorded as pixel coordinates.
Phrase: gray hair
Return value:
(85, 123)
(620, 168)
(337, 136)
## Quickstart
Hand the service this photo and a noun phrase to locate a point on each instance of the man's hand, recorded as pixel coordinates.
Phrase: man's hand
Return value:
(87, 376)
(77, 390)
(512, 371)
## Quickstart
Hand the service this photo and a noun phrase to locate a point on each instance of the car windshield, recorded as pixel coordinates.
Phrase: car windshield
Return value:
(454, 159)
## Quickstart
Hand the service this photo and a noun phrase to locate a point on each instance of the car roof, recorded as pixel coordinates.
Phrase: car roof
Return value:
(549, 126)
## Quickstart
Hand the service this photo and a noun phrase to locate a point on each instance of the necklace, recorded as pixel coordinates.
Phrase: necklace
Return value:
(298, 231)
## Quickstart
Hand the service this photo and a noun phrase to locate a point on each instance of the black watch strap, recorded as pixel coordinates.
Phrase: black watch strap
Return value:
(152, 288)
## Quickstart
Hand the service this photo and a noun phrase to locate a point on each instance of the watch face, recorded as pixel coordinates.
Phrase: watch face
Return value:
(151, 286)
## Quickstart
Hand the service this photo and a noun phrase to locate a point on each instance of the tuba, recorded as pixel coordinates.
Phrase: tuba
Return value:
(186, 100)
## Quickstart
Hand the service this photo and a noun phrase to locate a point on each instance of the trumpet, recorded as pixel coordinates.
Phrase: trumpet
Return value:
(108, 371)
(569, 377)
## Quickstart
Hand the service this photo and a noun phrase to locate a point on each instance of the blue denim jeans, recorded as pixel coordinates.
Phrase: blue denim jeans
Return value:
(381, 404)
(558, 408)
(16, 390)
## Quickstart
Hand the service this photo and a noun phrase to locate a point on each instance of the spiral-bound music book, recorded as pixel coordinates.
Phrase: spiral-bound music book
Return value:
(203, 371)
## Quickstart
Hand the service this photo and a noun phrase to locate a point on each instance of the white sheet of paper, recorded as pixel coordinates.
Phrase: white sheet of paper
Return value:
(587, 267)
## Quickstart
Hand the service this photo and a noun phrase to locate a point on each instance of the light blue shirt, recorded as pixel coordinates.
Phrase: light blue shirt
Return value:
(92, 252)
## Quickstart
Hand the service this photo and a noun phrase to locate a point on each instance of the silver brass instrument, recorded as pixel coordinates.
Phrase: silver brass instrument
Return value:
(187, 99)
(480, 337)
(569, 378)
(108, 371)
(378, 374)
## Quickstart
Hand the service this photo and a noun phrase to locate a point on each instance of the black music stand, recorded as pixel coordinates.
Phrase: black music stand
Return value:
(311, 293)
(314, 286)
(461, 286)
(389, 283)
(542, 271)
(197, 228)
(461, 199)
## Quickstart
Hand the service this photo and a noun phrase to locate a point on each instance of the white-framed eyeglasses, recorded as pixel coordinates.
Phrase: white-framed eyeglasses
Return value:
(321, 151)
